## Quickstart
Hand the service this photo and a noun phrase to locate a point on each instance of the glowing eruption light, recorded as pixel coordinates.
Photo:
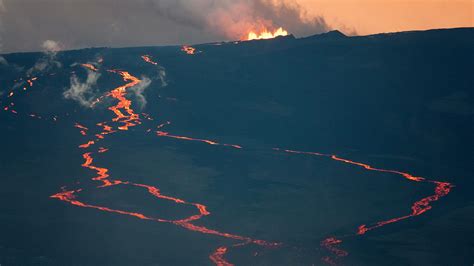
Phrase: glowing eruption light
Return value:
(188, 49)
(265, 34)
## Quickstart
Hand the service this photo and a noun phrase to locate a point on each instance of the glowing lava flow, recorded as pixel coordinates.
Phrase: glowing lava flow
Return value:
(330, 244)
(90, 67)
(188, 49)
(125, 115)
(123, 111)
(160, 133)
(210, 142)
(218, 257)
(24, 85)
(82, 128)
(148, 59)
(30, 81)
(419, 207)
(265, 34)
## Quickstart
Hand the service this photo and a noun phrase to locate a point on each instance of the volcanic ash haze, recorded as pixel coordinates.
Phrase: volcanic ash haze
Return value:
(146, 22)
(237, 19)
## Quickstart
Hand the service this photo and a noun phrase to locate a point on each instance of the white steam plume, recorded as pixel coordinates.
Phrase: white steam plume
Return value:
(48, 60)
(139, 89)
(233, 19)
(83, 92)
(3, 61)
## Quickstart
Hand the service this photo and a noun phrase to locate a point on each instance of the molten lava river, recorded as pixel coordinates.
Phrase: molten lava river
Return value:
(124, 181)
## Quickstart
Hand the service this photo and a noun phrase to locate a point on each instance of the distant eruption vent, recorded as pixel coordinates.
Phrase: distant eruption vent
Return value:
(257, 19)
(266, 34)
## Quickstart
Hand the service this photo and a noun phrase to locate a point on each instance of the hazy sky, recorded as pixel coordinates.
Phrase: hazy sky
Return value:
(26, 24)
(376, 16)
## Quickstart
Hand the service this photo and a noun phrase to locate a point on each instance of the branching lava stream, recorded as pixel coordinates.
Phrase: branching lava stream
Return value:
(125, 117)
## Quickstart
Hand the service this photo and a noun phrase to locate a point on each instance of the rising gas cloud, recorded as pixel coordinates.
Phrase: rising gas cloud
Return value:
(138, 91)
(48, 60)
(113, 23)
(83, 91)
(234, 19)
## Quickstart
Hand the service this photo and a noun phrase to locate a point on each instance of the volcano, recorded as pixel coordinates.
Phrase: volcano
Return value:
(323, 150)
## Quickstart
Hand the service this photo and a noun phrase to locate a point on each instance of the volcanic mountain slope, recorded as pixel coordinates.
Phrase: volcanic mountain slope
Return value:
(320, 150)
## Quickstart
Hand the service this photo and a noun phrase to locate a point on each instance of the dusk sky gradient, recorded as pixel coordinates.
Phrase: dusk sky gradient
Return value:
(371, 16)
(26, 24)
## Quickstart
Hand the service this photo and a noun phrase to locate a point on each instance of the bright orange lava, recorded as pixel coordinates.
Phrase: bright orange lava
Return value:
(123, 111)
(148, 59)
(218, 257)
(82, 128)
(90, 67)
(265, 34)
(188, 49)
(30, 81)
(11, 94)
(210, 142)
(125, 117)
(418, 207)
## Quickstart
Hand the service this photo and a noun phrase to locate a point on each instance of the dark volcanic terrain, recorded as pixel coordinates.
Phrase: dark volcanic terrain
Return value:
(312, 151)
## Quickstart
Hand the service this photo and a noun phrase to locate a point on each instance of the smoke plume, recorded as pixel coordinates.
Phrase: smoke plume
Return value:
(162, 76)
(139, 89)
(83, 92)
(233, 19)
(3, 61)
(122, 23)
(48, 60)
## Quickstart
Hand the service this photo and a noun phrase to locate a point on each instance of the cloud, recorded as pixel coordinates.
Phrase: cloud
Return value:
(83, 92)
(236, 18)
(48, 60)
(233, 19)
(50, 46)
(115, 23)
(3, 61)
(162, 77)
(138, 91)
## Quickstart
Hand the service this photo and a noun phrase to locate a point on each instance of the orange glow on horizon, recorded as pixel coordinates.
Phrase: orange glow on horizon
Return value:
(363, 17)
